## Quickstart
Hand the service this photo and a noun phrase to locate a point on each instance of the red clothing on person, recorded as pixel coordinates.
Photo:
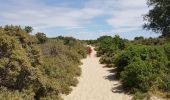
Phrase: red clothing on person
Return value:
(89, 50)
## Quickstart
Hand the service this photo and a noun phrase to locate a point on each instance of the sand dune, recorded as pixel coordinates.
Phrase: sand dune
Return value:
(97, 83)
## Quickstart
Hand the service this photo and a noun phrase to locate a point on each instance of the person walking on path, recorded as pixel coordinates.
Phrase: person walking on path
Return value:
(89, 51)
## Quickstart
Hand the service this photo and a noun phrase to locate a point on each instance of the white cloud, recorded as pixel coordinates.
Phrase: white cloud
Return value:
(123, 30)
(75, 27)
(129, 15)
(126, 18)
(45, 16)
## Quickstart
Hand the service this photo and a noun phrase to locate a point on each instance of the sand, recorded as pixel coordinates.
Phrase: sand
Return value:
(97, 82)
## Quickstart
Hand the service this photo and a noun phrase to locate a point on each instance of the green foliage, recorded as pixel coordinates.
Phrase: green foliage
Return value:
(139, 75)
(153, 54)
(107, 48)
(164, 85)
(141, 96)
(61, 61)
(139, 38)
(143, 68)
(158, 18)
(28, 29)
(142, 65)
(90, 42)
(18, 56)
(107, 59)
(26, 74)
(19, 60)
(105, 45)
(168, 95)
(78, 46)
(167, 50)
(14, 95)
(150, 41)
(41, 37)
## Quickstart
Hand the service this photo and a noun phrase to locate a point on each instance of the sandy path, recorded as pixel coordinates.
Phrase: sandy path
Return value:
(96, 83)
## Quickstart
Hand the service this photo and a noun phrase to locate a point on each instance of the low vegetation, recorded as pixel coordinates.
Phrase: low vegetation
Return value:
(34, 67)
(143, 65)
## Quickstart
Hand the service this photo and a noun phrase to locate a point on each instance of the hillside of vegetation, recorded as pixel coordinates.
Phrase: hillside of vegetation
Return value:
(35, 67)
(142, 65)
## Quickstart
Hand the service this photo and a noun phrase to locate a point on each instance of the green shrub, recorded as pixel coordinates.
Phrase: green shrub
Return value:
(19, 57)
(139, 38)
(142, 68)
(28, 29)
(61, 62)
(27, 74)
(141, 96)
(75, 44)
(41, 37)
(149, 41)
(139, 75)
(164, 84)
(167, 50)
(107, 59)
(20, 60)
(168, 95)
(154, 55)
(14, 95)
(142, 65)
(107, 48)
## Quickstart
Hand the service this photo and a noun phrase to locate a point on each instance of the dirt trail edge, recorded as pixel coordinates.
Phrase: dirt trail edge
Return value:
(97, 82)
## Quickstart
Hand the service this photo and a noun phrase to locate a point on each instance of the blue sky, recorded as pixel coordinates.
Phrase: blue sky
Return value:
(82, 19)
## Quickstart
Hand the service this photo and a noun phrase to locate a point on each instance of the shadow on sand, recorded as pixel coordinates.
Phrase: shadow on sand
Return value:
(117, 88)
(111, 77)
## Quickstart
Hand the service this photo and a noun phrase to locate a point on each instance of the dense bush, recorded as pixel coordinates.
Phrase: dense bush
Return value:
(141, 96)
(28, 29)
(61, 63)
(78, 46)
(41, 37)
(146, 53)
(107, 59)
(149, 41)
(90, 42)
(142, 65)
(108, 44)
(164, 85)
(14, 95)
(107, 47)
(19, 56)
(167, 50)
(142, 68)
(27, 74)
(20, 61)
(139, 38)
(139, 75)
